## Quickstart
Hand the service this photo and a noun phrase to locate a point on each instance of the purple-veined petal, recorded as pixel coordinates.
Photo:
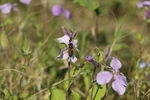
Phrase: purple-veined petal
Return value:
(65, 31)
(143, 4)
(6, 8)
(26, 2)
(73, 59)
(63, 54)
(65, 39)
(104, 77)
(75, 43)
(67, 14)
(74, 34)
(115, 64)
(57, 10)
(122, 79)
(118, 87)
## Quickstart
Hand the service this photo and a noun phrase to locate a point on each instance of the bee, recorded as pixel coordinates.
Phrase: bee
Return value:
(70, 48)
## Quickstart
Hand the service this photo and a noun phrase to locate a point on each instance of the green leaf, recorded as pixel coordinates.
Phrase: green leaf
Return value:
(24, 95)
(100, 56)
(57, 94)
(4, 41)
(75, 96)
(119, 34)
(91, 4)
(15, 98)
(86, 79)
(120, 46)
(99, 92)
(25, 49)
(140, 38)
(6, 22)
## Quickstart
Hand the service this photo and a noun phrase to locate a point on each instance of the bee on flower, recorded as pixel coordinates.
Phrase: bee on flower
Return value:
(71, 46)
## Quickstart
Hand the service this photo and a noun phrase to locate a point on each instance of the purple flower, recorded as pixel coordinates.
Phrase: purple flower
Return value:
(147, 14)
(67, 14)
(119, 81)
(91, 59)
(7, 7)
(143, 64)
(68, 52)
(26, 2)
(147, 11)
(143, 4)
(57, 10)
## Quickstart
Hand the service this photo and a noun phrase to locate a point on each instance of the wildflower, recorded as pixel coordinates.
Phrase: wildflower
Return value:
(143, 4)
(147, 11)
(143, 64)
(7, 7)
(91, 59)
(68, 52)
(67, 14)
(57, 10)
(25, 2)
(118, 81)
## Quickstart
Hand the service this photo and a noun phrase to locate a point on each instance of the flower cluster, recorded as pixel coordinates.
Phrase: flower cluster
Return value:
(119, 81)
(57, 10)
(147, 11)
(7, 7)
(71, 45)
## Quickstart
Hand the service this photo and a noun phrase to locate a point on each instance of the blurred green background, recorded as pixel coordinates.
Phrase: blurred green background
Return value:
(29, 47)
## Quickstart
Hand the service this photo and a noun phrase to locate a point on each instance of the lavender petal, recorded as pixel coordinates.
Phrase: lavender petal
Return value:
(115, 64)
(65, 39)
(6, 8)
(122, 79)
(143, 4)
(25, 2)
(118, 87)
(104, 77)
(73, 59)
(63, 54)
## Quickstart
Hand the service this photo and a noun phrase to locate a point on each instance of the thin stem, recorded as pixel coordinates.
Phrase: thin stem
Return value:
(69, 69)
(91, 98)
(94, 74)
(69, 81)
(146, 94)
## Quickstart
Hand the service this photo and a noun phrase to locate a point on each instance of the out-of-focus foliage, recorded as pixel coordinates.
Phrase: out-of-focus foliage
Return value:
(29, 69)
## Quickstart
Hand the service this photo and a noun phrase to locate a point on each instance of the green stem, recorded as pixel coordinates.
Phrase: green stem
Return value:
(91, 98)
(94, 74)
(69, 81)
